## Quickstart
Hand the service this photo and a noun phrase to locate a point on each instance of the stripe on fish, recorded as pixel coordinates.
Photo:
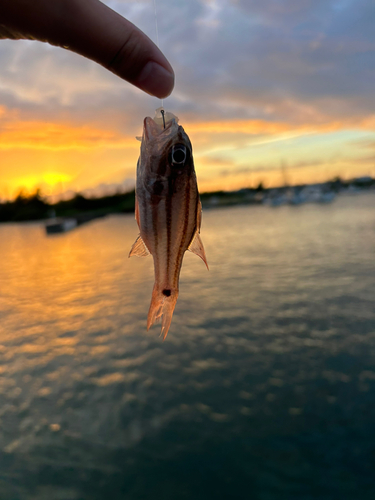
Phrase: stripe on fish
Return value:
(168, 211)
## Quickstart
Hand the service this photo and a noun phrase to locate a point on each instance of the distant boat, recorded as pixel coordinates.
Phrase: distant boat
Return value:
(298, 198)
(276, 197)
(326, 197)
(276, 201)
(64, 224)
(54, 226)
(311, 194)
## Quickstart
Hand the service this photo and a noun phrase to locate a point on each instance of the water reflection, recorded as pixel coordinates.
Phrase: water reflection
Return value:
(265, 385)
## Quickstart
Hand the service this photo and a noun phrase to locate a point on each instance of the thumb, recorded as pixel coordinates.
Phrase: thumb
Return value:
(95, 31)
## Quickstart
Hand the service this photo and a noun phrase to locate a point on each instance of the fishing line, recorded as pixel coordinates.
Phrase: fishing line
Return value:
(156, 25)
(158, 45)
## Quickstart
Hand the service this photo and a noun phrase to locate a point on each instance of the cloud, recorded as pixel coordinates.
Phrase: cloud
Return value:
(280, 168)
(59, 136)
(282, 53)
(261, 79)
(279, 61)
(366, 143)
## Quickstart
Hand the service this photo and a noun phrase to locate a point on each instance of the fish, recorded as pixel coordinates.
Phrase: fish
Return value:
(168, 210)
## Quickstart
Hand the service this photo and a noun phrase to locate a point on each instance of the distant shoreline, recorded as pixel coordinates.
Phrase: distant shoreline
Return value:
(35, 208)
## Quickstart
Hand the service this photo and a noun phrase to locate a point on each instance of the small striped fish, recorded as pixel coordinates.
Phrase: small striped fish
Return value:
(167, 210)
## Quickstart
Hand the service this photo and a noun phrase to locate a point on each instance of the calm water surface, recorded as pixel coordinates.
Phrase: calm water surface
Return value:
(264, 388)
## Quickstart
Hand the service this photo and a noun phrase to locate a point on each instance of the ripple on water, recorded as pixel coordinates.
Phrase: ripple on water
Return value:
(265, 384)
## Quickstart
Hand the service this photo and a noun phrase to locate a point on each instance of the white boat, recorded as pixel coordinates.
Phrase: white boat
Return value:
(60, 225)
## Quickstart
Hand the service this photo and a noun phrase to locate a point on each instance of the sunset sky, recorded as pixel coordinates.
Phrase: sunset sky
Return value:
(259, 85)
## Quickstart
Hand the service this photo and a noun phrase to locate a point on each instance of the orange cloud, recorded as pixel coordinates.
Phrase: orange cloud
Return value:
(72, 156)
(267, 127)
(60, 136)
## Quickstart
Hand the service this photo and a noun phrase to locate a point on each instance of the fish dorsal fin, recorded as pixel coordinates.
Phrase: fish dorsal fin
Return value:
(139, 248)
(196, 246)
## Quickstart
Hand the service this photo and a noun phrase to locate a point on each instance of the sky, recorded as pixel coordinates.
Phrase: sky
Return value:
(261, 88)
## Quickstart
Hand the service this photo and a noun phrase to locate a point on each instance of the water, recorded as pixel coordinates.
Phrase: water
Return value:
(264, 388)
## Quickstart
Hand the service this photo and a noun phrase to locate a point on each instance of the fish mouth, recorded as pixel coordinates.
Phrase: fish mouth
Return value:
(152, 129)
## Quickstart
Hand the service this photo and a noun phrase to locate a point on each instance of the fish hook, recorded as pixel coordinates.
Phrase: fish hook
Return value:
(162, 114)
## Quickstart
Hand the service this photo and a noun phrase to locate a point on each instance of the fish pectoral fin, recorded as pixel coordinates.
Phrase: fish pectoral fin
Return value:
(139, 248)
(196, 246)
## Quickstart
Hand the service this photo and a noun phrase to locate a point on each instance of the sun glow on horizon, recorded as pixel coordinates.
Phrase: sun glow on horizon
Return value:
(229, 154)
(260, 89)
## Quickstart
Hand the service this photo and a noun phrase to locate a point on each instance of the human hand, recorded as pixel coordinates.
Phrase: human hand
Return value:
(95, 31)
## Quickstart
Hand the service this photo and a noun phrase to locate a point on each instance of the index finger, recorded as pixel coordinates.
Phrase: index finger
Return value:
(93, 30)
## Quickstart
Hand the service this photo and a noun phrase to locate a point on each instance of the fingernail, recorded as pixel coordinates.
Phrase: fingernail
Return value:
(155, 80)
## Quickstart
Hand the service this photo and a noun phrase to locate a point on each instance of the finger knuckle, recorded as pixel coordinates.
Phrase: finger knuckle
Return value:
(129, 56)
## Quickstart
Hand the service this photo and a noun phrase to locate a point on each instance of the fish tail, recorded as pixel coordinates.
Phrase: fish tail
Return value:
(163, 302)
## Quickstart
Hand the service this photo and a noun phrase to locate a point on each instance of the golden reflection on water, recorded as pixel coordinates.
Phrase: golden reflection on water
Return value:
(68, 280)
(76, 361)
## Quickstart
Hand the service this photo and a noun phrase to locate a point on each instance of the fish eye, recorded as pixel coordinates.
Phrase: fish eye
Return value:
(178, 154)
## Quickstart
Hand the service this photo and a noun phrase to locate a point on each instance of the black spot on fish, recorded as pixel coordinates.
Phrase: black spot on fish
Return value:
(158, 188)
(167, 293)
